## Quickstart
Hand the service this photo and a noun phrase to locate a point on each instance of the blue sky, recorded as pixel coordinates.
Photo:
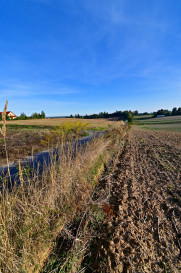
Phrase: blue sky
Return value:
(86, 56)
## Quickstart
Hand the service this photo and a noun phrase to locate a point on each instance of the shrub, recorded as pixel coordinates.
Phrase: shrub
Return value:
(70, 130)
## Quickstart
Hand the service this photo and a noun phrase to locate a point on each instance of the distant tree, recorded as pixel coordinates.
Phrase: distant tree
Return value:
(71, 116)
(179, 111)
(38, 115)
(164, 112)
(22, 116)
(35, 115)
(174, 111)
(135, 113)
(43, 114)
(130, 117)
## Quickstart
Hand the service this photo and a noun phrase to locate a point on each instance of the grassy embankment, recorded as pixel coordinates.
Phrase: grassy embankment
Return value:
(35, 212)
(172, 123)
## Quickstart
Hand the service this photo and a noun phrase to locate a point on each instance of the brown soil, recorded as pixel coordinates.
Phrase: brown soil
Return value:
(21, 143)
(144, 234)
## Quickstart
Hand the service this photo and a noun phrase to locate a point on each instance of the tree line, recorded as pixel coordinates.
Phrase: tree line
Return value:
(122, 115)
(175, 112)
(35, 115)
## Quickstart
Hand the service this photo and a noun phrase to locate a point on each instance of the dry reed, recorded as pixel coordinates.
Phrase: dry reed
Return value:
(3, 132)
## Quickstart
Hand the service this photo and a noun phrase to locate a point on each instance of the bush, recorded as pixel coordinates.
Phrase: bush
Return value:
(67, 131)
(130, 117)
(70, 130)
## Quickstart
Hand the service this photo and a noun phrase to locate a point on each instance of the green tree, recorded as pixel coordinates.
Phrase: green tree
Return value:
(22, 116)
(174, 111)
(135, 113)
(130, 117)
(43, 114)
(179, 111)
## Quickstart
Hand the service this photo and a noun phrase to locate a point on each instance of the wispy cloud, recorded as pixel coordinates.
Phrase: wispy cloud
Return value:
(10, 91)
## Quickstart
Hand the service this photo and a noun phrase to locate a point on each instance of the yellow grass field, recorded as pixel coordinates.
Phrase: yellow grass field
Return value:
(94, 123)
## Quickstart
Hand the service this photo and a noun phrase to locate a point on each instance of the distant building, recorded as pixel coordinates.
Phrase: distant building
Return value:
(160, 116)
(10, 114)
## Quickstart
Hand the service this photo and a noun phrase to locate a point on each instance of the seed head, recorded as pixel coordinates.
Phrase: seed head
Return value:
(3, 130)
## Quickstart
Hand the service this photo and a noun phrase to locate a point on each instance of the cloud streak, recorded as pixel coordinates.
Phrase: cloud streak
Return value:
(15, 90)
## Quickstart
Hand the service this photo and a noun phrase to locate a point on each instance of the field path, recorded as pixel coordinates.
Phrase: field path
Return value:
(144, 234)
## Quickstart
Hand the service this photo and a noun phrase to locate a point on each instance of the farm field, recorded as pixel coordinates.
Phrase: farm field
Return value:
(162, 127)
(93, 123)
(144, 233)
(24, 137)
(138, 217)
(21, 142)
(172, 124)
(150, 118)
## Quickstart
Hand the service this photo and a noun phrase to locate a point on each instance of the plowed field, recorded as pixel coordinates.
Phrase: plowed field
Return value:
(145, 232)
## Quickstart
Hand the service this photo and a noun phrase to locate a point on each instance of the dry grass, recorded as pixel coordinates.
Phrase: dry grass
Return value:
(34, 213)
(95, 123)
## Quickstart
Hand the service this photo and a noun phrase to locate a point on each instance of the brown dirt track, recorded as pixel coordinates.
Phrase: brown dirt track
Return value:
(145, 232)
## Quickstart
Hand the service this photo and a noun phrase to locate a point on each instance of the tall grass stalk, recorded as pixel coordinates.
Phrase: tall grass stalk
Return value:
(3, 132)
